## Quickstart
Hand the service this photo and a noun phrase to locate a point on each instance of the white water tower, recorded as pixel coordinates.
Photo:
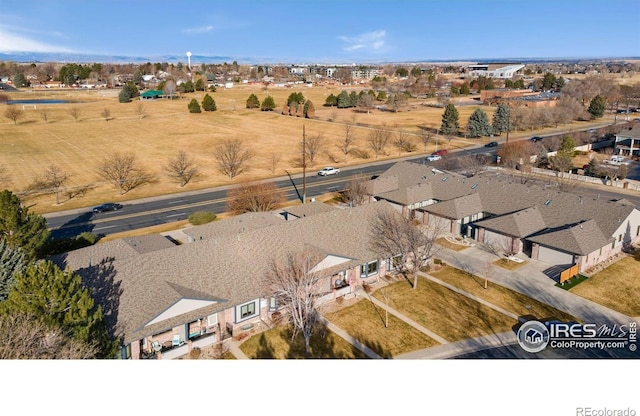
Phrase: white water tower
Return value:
(189, 61)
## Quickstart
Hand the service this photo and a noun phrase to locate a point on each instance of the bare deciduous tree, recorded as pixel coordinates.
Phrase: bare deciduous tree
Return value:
(314, 145)
(296, 289)
(254, 197)
(51, 181)
(182, 168)
(425, 137)
(27, 338)
(140, 110)
(392, 235)
(232, 157)
(474, 164)
(378, 139)
(106, 114)
(274, 159)
(44, 114)
(355, 193)
(75, 112)
(346, 143)
(124, 172)
(14, 113)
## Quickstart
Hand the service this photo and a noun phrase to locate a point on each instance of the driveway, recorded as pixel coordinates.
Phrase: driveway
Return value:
(532, 281)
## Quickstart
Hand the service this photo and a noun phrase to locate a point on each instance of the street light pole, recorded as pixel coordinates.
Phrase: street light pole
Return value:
(304, 166)
(508, 123)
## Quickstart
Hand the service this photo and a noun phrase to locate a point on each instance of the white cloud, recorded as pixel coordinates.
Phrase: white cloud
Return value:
(13, 42)
(370, 41)
(202, 29)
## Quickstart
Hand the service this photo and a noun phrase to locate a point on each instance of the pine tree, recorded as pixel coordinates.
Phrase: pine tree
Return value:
(501, 119)
(450, 123)
(596, 107)
(268, 104)
(331, 101)
(208, 103)
(309, 110)
(12, 262)
(58, 298)
(344, 101)
(253, 102)
(479, 124)
(193, 106)
(21, 228)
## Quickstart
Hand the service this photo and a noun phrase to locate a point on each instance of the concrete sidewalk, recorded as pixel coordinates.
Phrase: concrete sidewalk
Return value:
(530, 280)
(466, 346)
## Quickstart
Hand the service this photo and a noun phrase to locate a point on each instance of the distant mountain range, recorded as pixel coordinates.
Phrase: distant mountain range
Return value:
(36, 57)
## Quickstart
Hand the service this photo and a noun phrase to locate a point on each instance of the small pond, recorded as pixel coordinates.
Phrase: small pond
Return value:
(43, 101)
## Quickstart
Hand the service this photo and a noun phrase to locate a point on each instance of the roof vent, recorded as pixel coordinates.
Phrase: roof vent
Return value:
(445, 178)
(474, 186)
(547, 202)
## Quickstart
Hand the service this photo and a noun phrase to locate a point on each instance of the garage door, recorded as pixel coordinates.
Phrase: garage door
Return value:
(551, 256)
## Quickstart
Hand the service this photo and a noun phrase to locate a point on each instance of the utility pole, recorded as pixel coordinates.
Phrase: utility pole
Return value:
(304, 166)
(508, 123)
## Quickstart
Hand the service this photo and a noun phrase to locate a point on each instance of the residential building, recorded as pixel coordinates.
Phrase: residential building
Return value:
(628, 141)
(493, 70)
(545, 224)
(162, 299)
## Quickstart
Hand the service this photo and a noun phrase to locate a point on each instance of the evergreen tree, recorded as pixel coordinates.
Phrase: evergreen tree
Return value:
(309, 110)
(295, 97)
(20, 228)
(200, 86)
(450, 122)
(193, 106)
(12, 262)
(331, 101)
(58, 298)
(593, 168)
(501, 119)
(253, 102)
(344, 101)
(208, 103)
(479, 124)
(124, 96)
(382, 96)
(268, 104)
(548, 81)
(596, 107)
(353, 99)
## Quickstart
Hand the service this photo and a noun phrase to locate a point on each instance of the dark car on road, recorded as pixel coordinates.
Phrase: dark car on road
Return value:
(491, 144)
(536, 139)
(109, 206)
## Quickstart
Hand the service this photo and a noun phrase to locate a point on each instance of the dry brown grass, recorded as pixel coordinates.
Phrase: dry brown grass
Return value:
(508, 299)
(451, 246)
(616, 287)
(447, 313)
(365, 322)
(78, 146)
(508, 264)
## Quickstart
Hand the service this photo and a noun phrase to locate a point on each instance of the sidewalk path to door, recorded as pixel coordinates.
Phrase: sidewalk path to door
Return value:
(530, 280)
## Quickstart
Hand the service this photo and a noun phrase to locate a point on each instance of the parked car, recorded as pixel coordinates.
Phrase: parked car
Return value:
(329, 170)
(441, 152)
(109, 206)
(433, 158)
(536, 139)
(491, 144)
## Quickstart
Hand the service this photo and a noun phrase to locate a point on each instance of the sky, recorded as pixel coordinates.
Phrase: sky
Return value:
(328, 31)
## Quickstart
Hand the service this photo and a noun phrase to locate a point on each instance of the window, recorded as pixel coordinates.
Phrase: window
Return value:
(125, 352)
(620, 238)
(368, 269)
(247, 310)
(273, 304)
(212, 320)
(638, 231)
(395, 263)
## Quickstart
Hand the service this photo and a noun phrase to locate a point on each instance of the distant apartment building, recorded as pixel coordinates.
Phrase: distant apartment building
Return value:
(493, 70)
(365, 73)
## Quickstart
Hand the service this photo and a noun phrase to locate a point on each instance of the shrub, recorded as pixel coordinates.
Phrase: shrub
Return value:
(201, 217)
(437, 261)
(193, 106)
(194, 354)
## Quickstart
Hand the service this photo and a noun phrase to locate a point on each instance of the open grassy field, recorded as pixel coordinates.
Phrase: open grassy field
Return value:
(77, 147)
(616, 287)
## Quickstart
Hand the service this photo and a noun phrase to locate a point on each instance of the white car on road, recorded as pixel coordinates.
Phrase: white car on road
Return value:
(329, 170)
(433, 158)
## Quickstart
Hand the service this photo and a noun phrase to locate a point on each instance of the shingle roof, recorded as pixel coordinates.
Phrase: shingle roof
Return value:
(306, 210)
(228, 269)
(519, 224)
(234, 225)
(581, 239)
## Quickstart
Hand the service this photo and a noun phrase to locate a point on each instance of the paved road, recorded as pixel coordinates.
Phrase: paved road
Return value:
(170, 208)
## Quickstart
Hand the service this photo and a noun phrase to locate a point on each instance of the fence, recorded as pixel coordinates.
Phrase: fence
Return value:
(568, 273)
